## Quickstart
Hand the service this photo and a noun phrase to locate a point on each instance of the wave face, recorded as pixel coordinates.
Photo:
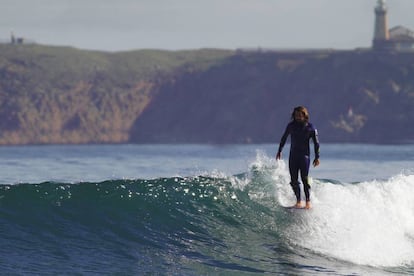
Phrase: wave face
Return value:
(208, 224)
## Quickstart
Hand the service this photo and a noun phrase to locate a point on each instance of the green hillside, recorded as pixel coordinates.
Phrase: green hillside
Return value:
(52, 95)
(353, 96)
(66, 95)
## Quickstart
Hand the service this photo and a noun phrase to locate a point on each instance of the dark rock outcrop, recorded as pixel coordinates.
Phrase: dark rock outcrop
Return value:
(352, 96)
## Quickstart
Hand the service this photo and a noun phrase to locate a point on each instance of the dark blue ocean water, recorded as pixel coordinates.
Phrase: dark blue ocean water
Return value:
(204, 210)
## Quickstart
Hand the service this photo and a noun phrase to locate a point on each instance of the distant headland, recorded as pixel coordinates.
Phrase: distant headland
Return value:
(63, 95)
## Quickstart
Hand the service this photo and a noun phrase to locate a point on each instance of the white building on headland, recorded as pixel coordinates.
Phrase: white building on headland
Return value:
(397, 38)
(402, 38)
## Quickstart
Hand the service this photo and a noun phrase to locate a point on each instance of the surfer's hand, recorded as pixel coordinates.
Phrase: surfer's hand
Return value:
(316, 162)
(278, 155)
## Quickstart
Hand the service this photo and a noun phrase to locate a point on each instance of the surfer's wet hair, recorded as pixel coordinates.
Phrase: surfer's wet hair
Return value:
(303, 110)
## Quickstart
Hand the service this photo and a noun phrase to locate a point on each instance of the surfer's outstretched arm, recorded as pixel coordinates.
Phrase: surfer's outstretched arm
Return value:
(315, 140)
(282, 142)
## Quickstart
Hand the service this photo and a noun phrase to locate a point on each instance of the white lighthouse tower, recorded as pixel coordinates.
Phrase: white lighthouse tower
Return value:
(381, 34)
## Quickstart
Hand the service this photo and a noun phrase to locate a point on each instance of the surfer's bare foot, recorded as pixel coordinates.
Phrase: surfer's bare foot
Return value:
(308, 205)
(298, 204)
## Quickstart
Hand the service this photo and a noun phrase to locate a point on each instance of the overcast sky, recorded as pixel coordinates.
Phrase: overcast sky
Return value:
(114, 25)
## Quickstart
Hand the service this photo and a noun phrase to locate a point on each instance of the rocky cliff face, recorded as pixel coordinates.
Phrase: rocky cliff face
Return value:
(58, 95)
(352, 97)
(52, 95)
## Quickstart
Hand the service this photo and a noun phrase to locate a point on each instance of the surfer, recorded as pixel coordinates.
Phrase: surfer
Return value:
(300, 131)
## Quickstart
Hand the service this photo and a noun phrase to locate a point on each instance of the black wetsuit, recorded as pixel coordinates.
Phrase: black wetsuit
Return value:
(299, 157)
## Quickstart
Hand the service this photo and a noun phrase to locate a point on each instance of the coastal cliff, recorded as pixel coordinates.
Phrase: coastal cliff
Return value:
(353, 96)
(61, 95)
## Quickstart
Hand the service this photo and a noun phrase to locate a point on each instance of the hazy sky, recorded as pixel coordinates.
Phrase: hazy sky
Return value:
(191, 24)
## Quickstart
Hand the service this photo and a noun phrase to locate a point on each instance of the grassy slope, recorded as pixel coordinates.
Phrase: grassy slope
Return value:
(250, 97)
(66, 95)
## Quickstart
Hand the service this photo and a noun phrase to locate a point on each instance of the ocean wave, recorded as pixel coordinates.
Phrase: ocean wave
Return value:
(237, 223)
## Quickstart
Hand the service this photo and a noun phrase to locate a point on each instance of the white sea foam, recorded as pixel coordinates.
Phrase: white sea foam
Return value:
(369, 223)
